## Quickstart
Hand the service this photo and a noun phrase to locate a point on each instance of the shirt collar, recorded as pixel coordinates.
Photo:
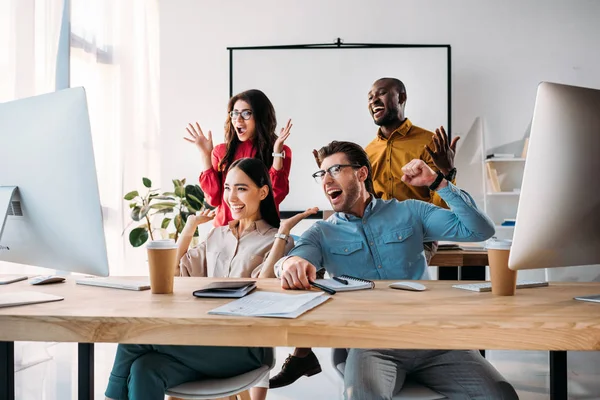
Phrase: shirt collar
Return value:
(368, 211)
(401, 131)
(261, 226)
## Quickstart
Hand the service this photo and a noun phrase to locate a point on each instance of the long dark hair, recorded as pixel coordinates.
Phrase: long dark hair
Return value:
(263, 113)
(258, 172)
(355, 155)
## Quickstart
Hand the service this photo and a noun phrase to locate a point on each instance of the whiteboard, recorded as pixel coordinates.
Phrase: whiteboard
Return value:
(324, 92)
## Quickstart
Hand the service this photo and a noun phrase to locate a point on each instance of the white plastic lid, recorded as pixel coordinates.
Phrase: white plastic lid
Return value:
(161, 244)
(498, 244)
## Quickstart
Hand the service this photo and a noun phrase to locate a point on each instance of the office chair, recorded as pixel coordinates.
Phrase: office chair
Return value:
(232, 388)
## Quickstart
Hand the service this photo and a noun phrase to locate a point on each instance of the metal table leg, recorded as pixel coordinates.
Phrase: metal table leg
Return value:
(7, 371)
(558, 375)
(85, 371)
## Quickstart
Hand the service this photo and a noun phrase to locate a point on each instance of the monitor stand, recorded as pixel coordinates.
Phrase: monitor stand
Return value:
(7, 193)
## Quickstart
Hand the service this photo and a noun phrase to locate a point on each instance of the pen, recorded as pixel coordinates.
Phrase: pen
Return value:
(340, 280)
(323, 288)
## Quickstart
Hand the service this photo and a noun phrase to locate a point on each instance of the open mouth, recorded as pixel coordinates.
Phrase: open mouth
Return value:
(334, 195)
(240, 130)
(378, 111)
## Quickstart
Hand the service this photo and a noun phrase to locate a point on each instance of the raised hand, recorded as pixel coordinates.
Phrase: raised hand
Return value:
(418, 173)
(443, 153)
(297, 272)
(316, 156)
(199, 218)
(288, 224)
(283, 135)
(197, 137)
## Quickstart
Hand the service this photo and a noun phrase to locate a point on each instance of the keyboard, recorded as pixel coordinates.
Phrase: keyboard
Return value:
(487, 286)
(114, 283)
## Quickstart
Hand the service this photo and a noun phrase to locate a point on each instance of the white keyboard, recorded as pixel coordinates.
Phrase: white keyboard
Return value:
(487, 286)
(114, 283)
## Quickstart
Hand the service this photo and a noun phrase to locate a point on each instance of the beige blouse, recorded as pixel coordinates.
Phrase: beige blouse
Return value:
(223, 255)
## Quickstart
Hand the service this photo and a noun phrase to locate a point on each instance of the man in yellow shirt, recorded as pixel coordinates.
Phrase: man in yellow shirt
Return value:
(398, 142)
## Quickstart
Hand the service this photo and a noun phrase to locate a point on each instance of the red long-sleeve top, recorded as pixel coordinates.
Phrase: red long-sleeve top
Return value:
(212, 181)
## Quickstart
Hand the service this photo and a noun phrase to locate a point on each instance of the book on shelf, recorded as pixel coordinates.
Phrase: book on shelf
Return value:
(509, 222)
(499, 155)
(525, 148)
(493, 177)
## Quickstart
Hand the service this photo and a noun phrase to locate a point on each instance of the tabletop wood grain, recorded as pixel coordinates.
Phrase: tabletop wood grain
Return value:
(439, 318)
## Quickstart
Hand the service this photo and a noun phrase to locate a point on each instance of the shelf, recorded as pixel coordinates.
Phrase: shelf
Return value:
(503, 193)
(516, 159)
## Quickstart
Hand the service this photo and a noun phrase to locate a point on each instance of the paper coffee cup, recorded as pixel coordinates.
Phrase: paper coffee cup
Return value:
(162, 262)
(504, 279)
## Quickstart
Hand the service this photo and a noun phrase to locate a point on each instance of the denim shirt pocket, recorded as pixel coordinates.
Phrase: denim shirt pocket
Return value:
(346, 248)
(398, 236)
(344, 257)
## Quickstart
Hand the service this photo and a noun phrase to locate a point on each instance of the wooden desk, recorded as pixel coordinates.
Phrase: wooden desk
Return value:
(454, 258)
(439, 318)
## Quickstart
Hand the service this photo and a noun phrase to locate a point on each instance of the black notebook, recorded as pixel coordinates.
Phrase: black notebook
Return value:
(231, 289)
(346, 283)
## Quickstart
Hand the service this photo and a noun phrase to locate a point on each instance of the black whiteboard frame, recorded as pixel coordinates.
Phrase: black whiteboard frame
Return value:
(340, 45)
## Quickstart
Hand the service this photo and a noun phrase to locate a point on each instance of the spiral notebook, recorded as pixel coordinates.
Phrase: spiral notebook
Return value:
(344, 283)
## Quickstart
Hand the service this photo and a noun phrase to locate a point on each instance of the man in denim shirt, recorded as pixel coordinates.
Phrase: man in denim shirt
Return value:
(383, 239)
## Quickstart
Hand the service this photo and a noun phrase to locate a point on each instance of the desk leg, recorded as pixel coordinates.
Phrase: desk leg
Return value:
(558, 375)
(85, 371)
(7, 371)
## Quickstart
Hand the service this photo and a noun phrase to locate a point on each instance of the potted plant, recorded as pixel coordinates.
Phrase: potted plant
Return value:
(175, 207)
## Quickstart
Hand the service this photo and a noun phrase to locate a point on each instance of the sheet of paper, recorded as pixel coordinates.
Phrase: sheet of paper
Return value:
(271, 304)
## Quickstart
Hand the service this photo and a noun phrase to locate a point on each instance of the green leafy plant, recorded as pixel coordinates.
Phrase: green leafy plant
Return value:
(175, 207)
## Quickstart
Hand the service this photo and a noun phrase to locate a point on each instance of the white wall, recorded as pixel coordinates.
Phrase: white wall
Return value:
(500, 51)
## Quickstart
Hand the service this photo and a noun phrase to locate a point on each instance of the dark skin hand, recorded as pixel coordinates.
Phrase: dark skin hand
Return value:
(443, 153)
(316, 156)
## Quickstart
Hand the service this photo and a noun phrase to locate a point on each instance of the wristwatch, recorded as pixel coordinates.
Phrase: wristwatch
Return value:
(282, 236)
(438, 180)
(282, 154)
(451, 175)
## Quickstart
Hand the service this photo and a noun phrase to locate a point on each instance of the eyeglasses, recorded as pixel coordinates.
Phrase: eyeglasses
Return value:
(333, 171)
(246, 115)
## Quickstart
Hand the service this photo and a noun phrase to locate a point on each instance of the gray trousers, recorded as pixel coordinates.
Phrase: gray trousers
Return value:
(373, 374)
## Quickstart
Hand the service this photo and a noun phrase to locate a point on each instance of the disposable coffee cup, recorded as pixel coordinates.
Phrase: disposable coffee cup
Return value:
(162, 261)
(504, 279)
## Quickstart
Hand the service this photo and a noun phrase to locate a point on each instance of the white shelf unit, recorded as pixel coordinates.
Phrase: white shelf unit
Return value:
(503, 204)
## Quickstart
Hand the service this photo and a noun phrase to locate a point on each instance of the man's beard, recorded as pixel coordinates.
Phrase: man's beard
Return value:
(352, 194)
(390, 116)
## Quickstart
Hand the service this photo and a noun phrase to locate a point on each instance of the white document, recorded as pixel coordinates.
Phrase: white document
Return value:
(269, 304)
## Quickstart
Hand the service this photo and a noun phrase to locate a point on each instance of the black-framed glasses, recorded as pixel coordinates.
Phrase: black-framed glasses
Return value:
(333, 171)
(246, 114)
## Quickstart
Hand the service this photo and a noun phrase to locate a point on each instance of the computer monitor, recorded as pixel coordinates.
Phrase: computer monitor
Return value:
(49, 186)
(558, 217)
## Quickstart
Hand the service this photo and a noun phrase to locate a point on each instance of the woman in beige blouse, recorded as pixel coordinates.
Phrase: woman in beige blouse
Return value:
(248, 247)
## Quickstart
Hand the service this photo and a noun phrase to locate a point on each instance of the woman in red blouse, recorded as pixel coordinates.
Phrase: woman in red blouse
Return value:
(249, 132)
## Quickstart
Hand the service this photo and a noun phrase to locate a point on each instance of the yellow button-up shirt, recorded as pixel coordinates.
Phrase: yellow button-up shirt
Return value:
(389, 155)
